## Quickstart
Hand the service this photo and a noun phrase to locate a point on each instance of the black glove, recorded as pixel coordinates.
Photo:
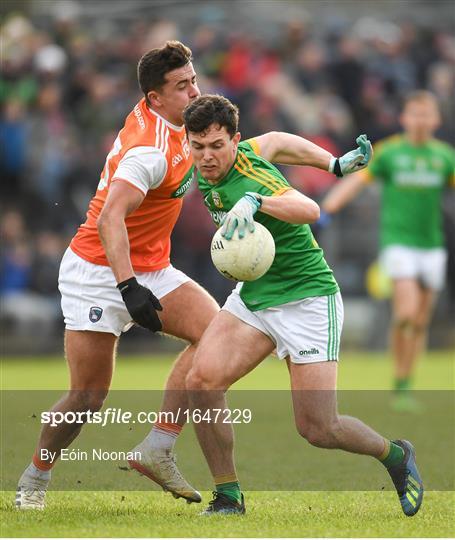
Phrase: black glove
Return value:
(141, 304)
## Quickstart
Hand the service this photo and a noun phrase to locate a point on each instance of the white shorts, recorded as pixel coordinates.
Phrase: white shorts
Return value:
(91, 300)
(306, 330)
(426, 265)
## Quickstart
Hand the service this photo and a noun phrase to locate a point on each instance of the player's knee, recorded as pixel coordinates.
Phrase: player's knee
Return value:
(322, 434)
(404, 323)
(409, 325)
(200, 379)
(197, 380)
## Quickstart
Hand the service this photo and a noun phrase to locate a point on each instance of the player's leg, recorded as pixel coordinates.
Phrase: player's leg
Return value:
(229, 349)
(316, 325)
(315, 411)
(408, 267)
(427, 301)
(187, 311)
(90, 357)
(317, 420)
(432, 272)
(430, 265)
(406, 301)
(308, 333)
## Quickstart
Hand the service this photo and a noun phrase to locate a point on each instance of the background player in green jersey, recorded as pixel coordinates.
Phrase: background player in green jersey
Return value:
(413, 168)
(296, 307)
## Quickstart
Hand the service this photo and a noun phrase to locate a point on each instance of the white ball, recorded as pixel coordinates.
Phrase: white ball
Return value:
(243, 259)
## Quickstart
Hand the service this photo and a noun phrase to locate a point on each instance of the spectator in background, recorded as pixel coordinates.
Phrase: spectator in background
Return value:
(13, 136)
(25, 311)
(15, 262)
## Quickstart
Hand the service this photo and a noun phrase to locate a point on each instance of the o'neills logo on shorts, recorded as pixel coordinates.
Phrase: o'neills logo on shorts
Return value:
(309, 351)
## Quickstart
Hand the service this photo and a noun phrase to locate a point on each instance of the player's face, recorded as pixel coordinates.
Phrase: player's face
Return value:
(420, 119)
(214, 152)
(179, 90)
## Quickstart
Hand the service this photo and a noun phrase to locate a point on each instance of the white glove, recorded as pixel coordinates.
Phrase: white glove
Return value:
(353, 161)
(241, 215)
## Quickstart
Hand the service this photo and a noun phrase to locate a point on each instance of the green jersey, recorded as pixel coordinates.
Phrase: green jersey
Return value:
(299, 269)
(413, 179)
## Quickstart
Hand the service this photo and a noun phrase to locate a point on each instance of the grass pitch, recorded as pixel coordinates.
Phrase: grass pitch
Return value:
(269, 514)
(272, 514)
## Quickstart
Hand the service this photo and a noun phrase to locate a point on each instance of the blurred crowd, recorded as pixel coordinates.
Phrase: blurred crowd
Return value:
(68, 82)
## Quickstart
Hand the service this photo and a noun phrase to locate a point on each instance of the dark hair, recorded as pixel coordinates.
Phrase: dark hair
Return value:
(206, 110)
(154, 65)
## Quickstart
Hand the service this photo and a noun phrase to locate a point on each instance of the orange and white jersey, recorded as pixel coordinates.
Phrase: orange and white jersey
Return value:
(152, 155)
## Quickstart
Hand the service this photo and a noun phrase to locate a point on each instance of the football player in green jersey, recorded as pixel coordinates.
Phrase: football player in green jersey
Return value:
(413, 168)
(295, 308)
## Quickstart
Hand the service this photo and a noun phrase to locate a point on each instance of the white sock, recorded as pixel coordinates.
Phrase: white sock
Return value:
(158, 439)
(35, 476)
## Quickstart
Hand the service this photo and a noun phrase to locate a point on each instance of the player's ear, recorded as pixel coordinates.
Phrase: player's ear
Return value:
(154, 98)
(236, 138)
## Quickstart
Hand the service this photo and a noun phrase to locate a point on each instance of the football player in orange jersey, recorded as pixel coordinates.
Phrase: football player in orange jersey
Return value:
(117, 272)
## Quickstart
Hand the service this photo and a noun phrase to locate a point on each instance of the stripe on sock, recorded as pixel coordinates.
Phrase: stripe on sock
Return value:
(40, 464)
(225, 478)
(386, 450)
(168, 427)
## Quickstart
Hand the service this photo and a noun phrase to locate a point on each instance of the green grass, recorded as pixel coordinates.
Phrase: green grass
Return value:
(359, 371)
(269, 514)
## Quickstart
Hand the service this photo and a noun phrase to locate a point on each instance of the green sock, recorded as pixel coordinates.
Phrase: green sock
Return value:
(231, 490)
(394, 456)
(402, 385)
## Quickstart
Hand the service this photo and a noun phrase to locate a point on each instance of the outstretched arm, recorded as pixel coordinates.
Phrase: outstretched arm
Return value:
(288, 149)
(343, 192)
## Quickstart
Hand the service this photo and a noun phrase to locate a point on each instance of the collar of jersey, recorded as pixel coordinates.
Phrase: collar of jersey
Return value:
(169, 124)
(412, 145)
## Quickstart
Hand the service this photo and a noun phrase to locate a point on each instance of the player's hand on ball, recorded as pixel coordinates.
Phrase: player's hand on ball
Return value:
(141, 304)
(241, 216)
(355, 160)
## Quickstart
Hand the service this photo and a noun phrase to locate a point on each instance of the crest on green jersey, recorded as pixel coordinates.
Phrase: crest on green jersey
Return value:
(217, 199)
(184, 184)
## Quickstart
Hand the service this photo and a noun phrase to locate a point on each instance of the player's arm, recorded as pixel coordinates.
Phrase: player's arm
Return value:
(122, 200)
(290, 206)
(343, 192)
(140, 302)
(288, 149)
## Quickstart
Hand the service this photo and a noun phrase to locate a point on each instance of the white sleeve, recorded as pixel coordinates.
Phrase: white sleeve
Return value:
(143, 166)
